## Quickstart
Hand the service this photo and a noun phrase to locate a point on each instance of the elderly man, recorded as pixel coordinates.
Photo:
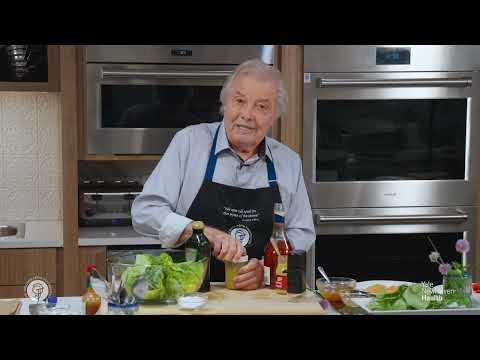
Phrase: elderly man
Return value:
(229, 175)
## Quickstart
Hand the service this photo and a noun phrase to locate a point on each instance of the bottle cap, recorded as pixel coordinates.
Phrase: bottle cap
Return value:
(278, 213)
(52, 300)
(297, 259)
(91, 267)
(198, 225)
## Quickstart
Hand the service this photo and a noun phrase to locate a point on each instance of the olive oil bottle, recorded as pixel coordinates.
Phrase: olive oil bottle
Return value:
(197, 247)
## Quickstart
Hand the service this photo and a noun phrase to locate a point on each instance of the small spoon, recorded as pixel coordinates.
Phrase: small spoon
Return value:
(324, 274)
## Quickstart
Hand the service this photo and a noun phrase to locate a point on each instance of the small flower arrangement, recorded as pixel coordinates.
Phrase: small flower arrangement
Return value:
(455, 268)
(457, 281)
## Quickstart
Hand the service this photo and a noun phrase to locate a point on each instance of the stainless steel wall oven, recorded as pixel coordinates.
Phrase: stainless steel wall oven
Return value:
(388, 154)
(138, 97)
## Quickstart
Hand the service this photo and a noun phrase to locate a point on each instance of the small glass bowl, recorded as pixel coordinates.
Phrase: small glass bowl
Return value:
(122, 309)
(192, 301)
(332, 291)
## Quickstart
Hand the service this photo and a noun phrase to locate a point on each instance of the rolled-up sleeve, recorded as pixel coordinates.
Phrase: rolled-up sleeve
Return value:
(153, 211)
(299, 219)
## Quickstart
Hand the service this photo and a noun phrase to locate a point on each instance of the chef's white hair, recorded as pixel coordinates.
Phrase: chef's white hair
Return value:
(259, 70)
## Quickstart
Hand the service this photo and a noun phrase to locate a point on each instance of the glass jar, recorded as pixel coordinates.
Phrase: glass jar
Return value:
(231, 270)
(457, 290)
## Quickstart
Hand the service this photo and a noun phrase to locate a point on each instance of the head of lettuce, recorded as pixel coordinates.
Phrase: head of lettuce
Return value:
(166, 279)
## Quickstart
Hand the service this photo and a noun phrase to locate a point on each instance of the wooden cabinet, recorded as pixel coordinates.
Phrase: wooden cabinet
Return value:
(52, 84)
(91, 255)
(290, 129)
(17, 266)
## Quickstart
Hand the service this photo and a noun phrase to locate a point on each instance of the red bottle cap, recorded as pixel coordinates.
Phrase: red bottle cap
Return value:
(91, 267)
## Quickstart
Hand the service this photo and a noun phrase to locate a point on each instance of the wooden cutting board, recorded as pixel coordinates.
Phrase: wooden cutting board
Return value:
(236, 302)
(9, 307)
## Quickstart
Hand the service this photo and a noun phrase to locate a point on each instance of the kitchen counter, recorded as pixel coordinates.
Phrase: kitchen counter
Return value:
(222, 301)
(113, 235)
(35, 234)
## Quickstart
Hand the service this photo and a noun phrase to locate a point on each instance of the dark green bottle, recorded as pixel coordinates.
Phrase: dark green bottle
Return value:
(198, 247)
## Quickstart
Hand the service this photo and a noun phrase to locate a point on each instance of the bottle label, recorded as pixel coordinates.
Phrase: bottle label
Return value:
(280, 274)
(266, 275)
(281, 282)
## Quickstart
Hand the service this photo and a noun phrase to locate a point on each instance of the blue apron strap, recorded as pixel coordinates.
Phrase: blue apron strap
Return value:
(212, 160)
(272, 175)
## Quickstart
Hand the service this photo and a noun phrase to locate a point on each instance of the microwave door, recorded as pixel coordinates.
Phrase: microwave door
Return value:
(139, 110)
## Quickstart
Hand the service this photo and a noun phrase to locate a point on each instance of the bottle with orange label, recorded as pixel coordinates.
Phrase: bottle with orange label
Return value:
(281, 249)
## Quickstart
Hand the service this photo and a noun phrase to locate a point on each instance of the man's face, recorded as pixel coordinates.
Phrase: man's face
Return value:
(249, 111)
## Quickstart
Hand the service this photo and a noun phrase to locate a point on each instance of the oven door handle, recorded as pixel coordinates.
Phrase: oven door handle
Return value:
(163, 74)
(460, 217)
(456, 82)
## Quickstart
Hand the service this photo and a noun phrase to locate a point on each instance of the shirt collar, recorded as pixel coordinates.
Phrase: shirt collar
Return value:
(222, 143)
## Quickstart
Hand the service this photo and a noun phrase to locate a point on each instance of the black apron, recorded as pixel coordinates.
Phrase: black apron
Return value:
(246, 214)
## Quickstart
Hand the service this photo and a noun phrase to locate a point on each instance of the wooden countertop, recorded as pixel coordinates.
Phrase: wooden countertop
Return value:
(222, 301)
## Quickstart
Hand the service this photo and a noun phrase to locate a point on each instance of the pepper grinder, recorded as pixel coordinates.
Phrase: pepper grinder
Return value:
(296, 285)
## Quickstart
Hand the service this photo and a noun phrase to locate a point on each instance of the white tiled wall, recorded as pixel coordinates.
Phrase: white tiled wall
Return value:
(30, 157)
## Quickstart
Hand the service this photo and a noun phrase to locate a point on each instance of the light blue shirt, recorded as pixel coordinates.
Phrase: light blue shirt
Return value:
(159, 211)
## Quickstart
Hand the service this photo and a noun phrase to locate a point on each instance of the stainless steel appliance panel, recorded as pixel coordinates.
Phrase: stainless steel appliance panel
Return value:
(178, 54)
(362, 58)
(431, 85)
(357, 222)
(138, 97)
(130, 140)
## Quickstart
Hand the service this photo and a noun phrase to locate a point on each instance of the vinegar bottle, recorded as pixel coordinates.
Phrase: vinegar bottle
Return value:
(276, 253)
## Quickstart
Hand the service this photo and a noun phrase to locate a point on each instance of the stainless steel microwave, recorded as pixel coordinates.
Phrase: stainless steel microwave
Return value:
(139, 97)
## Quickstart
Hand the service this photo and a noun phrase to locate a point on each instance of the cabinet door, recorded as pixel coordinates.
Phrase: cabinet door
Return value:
(17, 266)
(92, 255)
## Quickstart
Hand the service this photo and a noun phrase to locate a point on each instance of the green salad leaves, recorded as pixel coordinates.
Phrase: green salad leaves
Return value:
(407, 297)
(166, 279)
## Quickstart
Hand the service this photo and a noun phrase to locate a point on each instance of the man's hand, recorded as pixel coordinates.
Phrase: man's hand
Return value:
(225, 247)
(250, 276)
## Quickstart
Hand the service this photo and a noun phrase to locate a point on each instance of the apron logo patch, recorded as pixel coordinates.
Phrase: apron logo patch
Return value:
(241, 233)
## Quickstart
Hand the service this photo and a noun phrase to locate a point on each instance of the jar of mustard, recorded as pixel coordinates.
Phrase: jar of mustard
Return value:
(231, 270)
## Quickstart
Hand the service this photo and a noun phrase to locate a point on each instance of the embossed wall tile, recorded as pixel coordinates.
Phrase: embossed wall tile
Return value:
(21, 172)
(2, 172)
(30, 156)
(3, 209)
(48, 141)
(49, 171)
(49, 204)
(20, 141)
(21, 204)
(48, 111)
(19, 110)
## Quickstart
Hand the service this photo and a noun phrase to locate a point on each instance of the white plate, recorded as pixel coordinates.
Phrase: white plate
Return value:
(363, 285)
(363, 302)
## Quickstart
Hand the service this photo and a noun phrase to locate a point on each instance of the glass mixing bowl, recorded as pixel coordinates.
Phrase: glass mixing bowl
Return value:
(166, 272)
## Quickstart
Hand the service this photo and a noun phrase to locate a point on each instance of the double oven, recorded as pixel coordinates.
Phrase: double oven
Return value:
(390, 156)
(138, 97)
